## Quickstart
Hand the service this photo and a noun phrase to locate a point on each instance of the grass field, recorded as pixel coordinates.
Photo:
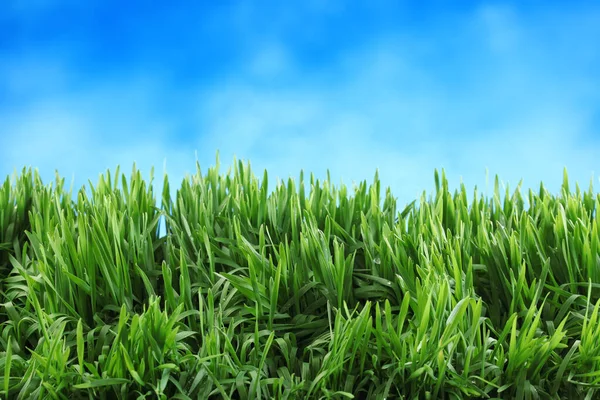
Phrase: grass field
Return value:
(305, 290)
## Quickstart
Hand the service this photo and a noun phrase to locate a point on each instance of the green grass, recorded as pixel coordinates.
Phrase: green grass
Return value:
(305, 290)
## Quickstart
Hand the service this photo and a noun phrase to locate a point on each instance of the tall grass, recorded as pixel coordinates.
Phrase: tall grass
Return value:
(302, 290)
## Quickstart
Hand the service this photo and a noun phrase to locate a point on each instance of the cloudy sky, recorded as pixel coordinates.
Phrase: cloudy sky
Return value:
(349, 86)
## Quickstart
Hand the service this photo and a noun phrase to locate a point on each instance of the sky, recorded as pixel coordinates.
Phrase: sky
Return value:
(402, 87)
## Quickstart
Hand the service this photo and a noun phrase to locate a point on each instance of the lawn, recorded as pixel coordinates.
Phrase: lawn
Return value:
(301, 290)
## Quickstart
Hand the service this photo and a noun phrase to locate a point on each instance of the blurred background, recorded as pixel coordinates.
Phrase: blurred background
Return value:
(349, 86)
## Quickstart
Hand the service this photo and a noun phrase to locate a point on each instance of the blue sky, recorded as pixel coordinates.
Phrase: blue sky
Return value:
(349, 86)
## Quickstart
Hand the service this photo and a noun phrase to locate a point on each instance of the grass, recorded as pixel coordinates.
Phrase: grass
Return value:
(306, 290)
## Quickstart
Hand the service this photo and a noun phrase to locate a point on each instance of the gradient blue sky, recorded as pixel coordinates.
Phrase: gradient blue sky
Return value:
(402, 86)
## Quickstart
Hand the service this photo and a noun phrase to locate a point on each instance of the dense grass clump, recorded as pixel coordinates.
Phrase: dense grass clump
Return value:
(303, 291)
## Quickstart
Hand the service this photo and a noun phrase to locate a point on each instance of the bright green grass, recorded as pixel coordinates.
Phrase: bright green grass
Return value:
(303, 291)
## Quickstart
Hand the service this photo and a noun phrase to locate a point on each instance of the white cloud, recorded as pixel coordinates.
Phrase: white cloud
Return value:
(385, 104)
(388, 112)
(82, 134)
